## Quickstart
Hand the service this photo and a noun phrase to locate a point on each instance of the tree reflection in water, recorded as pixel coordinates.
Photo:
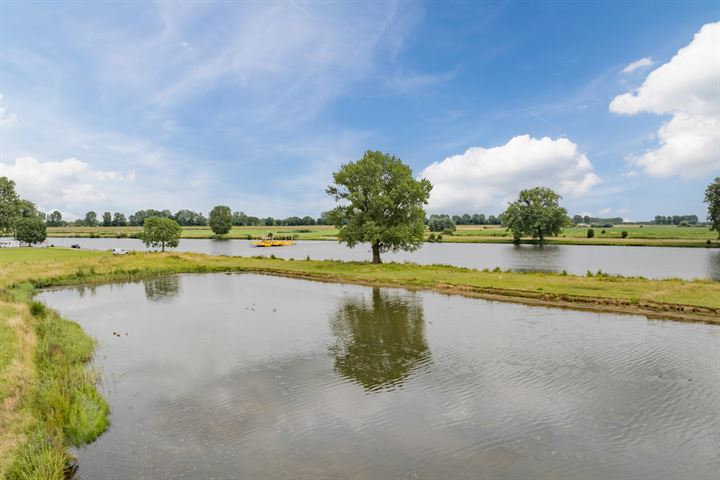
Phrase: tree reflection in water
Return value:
(379, 344)
(162, 289)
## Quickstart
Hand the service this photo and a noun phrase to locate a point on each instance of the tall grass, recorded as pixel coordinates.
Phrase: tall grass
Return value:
(66, 408)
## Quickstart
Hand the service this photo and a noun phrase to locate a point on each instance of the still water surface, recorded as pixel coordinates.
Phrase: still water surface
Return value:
(650, 262)
(249, 376)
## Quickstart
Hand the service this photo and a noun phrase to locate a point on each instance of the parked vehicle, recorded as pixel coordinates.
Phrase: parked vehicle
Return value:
(9, 244)
(119, 251)
(74, 245)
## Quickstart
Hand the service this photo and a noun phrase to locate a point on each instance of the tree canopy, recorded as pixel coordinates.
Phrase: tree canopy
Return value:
(712, 198)
(535, 213)
(9, 205)
(160, 232)
(30, 230)
(220, 220)
(380, 203)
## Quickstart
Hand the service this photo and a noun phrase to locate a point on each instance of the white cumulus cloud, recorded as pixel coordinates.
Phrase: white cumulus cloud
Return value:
(688, 87)
(642, 63)
(484, 179)
(70, 182)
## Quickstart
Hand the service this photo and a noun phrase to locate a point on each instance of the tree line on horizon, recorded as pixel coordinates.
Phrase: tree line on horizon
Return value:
(379, 202)
(436, 222)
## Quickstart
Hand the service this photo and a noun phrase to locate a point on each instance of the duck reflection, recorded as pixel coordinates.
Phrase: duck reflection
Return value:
(379, 341)
(162, 289)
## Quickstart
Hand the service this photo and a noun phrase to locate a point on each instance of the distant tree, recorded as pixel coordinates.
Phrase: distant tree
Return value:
(537, 213)
(160, 232)
(712, 198)
(220, 220)
(9, 205)
(107, 219)
(119, 220)
(577, 219)
(137, 218)
(493, 220)
(188, 218)
(30, 230)
(240, 219)
(269, 221)
(90, 219)
(55, 219)
(324, 219)
(478, 219)
(441, 223)
(307, 220)
(382, 204)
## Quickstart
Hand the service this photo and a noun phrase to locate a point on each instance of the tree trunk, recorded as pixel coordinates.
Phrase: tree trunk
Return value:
(376, 252)
(162, 247)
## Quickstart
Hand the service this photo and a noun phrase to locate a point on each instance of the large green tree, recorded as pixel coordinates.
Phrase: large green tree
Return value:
(220, 220)
(27, 209)
(712, 198)
(9, 205)
(380, 204)
(536, 213)
(160, 232)
(30, 230)
(107, 219)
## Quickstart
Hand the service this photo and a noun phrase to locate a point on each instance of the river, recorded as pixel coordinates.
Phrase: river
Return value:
(650, 262)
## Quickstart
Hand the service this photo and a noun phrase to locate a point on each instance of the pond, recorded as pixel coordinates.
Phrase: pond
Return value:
(650, 262)
(251, 376)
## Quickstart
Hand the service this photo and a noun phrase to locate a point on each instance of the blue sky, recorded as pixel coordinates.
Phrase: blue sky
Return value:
(123, 106)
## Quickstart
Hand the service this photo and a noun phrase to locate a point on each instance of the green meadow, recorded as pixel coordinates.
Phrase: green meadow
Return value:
(637, 235)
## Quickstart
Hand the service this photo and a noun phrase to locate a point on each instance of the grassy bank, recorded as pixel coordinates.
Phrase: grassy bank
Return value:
(50, 267)
(638, 235)
(47, 393)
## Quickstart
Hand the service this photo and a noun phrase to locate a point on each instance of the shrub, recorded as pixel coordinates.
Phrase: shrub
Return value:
(624, 234)
(603, 232)
(590, 233)
(441, 223)
(37, 309)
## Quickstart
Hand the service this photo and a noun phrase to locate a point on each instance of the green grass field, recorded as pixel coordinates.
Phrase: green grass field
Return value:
(648, 235)
(47, 393)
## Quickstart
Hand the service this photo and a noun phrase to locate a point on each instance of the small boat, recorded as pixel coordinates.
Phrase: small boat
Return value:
(269, 241)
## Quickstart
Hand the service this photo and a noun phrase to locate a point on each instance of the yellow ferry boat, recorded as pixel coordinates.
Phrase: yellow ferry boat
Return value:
(269, 241)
